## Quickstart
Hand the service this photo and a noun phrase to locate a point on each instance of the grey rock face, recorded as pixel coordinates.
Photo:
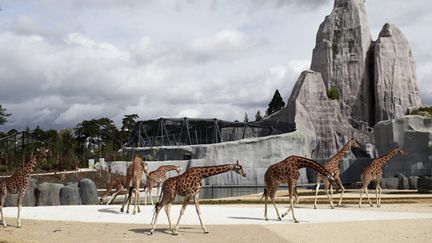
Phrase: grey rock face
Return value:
(29, 197)
(88, 192)
(311, 109)
(48, 194)
(389, 183)
(414, 135)
(403, 182)
(69, 195)
(425, 184)
(342, 43)
(395, 75)
(413, 182)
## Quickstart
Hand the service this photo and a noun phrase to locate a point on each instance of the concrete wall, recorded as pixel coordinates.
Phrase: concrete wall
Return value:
(414, 135)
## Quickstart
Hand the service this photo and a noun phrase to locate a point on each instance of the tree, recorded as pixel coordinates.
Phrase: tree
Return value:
(275, 104)
(258, 116)
(3, 115)
(246, 118)
(129, 122)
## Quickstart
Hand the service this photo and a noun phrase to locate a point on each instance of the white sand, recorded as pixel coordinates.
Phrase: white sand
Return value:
(211, 214)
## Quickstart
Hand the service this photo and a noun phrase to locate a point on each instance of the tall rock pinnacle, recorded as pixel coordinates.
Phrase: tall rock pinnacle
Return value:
(342, 43)
(395, 75)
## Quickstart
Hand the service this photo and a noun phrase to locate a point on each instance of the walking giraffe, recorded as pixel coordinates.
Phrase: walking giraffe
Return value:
(119, 184)
(133, 181)
(18, 183)
(157, 177)
(188, 185)
(288, 171)
(332, 165)
(373, 172)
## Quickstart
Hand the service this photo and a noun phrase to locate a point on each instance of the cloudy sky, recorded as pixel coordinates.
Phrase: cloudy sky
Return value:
(65, 61)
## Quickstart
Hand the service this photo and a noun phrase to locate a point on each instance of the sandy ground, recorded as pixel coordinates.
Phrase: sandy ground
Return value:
(416, 226)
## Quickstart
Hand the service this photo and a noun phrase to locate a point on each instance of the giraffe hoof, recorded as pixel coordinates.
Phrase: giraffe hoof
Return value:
(206, 232)
(175, 232)
(280, 219)
(378, 206)
(359, 206)
(266, 219)
(371, 206)
(315, 207)
(296, 221)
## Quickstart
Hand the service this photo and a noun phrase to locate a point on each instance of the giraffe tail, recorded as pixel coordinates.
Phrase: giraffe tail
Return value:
(264, 194)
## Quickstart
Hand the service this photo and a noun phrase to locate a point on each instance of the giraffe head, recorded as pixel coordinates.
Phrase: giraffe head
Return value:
(237, 168)
(400, 151)
(354, 143)
(178, 169)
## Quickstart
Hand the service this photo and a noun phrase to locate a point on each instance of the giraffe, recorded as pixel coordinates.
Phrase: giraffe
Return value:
(285, 171)
(188, 185)
(332, 165)
(157, 177)
(18, 183)
(133, 182)
(119, 183)
(373, 172)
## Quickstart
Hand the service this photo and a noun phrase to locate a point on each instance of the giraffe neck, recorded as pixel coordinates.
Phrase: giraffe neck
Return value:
(387, 157)
(207, 171)
(168, 168)
(335, 160)
(27, 169)
(304, 162)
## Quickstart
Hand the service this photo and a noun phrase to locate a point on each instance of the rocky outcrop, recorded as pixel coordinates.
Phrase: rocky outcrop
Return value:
(311, 109)
(48, 194)
(414, 135)
(395, 75)
(425, 184)
(88, 192)
(69, 195)
(342, 43)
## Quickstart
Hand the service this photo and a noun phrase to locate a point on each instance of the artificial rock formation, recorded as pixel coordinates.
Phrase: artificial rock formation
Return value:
(395, 75)
(311, 109)
(342, 43)
(375, 80)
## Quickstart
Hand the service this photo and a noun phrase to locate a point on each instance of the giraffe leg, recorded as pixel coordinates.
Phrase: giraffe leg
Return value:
(113, 197)
(367, 194)
(167, 211)
(343, 190)
(185, 202)
(291, 188)
(2, 200)
(272, 198)
(380, 191)
(361, 196)
(151, 197)
(265, 204)
(326, 187)
(155, 217)
(127, 200)
(316, 193)
(198, 210)
(20, 202)
(137, 201)
(145, 195)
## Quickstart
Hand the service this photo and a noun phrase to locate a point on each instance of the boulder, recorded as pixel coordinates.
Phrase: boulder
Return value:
(395, 75)
(424, 184)
(389, 183)
(403, 182)
(88, 192)
(413, 182)
(48, 194)
(69, 195)
(29, 197)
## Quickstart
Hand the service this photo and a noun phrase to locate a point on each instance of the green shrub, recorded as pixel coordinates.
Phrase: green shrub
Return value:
(423, 111)
(333, 93)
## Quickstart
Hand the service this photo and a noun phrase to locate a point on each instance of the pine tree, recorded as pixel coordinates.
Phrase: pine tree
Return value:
(246, 118)
(3, 115)
(258, 116)
(275, 104)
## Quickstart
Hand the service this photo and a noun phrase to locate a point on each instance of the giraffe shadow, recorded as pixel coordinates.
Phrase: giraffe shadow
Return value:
(252, 218)
(110, 210)
(166, 231)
